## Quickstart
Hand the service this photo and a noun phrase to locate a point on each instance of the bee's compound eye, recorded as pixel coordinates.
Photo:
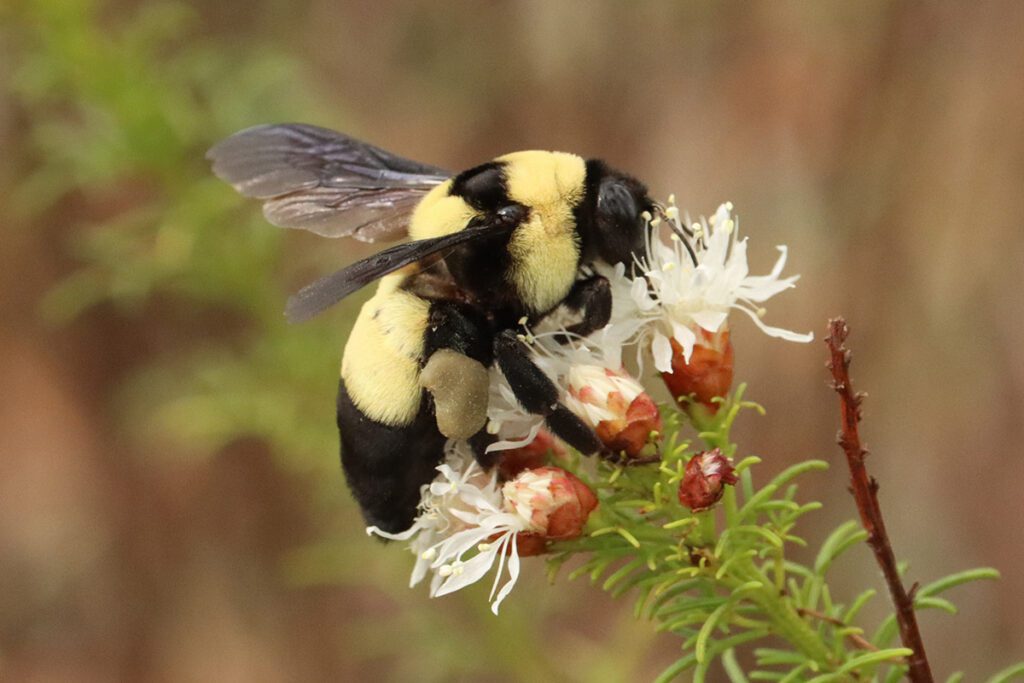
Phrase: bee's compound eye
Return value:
(618, 229)
(616, 203)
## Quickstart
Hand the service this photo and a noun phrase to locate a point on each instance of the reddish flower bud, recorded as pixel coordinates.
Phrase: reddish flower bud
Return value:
(708, 373)
(530, 544)
(554, 503)
(615, 405)
(531, 456)
(704, 480)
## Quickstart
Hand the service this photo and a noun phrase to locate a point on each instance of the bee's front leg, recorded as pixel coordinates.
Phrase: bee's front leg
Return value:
(592, 297)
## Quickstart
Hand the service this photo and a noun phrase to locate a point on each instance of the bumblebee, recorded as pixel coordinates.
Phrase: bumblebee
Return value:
(490, 249)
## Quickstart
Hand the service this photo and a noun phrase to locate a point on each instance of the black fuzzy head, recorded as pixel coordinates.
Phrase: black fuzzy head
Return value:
(610, 219)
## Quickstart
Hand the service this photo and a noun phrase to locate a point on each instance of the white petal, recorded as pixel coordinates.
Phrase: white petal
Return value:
(760, 288)
(737, 268)
(508, 444)
(513, 576)
(702, 276)
(613, 354)
(435, 583)
(501, 542)
(777, 332)
(447, 472)
(661, 349)
(501, 521)
(403, 536)
(767, 289)
(472, 571)
(638, 292)
(418, 571)
(453, 547)
(470, 518)
(710, 320)
(486, 500)
(722, 215)
(780, 264)
(717, 248)
(620, 332)
(685, 337)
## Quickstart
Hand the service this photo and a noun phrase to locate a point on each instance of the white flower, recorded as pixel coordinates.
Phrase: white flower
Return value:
(677, 299)
(462, 529)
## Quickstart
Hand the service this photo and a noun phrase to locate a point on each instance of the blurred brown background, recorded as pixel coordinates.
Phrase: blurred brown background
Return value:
(170, 502)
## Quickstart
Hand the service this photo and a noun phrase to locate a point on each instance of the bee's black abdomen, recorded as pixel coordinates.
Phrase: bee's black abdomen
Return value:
(386, 466)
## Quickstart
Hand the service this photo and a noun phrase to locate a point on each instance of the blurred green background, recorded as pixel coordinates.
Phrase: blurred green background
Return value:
(171, 507)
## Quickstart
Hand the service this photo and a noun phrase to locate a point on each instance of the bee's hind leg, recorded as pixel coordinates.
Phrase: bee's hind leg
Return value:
(479, 443)
(457, 352)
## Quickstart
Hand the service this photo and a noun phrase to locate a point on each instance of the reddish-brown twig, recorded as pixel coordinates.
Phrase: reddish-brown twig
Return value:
(865, 492)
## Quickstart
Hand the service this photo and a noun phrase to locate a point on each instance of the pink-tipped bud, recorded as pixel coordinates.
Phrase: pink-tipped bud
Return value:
(615, 405)
(554, 503)
(704, 480)
(708, 373)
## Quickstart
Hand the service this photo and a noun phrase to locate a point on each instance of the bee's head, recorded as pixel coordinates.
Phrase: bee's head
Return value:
(617, 228)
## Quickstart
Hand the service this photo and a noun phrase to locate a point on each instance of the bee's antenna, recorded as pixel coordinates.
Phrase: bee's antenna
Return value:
(681, 231)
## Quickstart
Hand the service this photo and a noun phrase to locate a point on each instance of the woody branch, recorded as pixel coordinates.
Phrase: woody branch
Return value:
(865, 492)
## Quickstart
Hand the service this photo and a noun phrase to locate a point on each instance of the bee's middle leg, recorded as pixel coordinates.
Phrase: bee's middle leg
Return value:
(539, 395)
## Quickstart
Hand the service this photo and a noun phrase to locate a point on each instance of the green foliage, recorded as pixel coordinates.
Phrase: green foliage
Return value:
(722, 580)
(122, 117)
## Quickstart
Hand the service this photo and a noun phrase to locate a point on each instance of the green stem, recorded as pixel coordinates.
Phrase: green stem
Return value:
(731, 507)
(786, 622)
(706, 533)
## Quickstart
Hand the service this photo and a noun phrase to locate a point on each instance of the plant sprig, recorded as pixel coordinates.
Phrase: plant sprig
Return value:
(723, 579)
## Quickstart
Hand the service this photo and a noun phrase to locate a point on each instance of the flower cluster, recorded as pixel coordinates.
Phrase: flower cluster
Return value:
(676, 301)
(671, 305)
(468, 521)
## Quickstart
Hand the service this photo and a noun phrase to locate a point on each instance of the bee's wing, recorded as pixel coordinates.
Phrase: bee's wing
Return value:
(326, 182)
(329, 290)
